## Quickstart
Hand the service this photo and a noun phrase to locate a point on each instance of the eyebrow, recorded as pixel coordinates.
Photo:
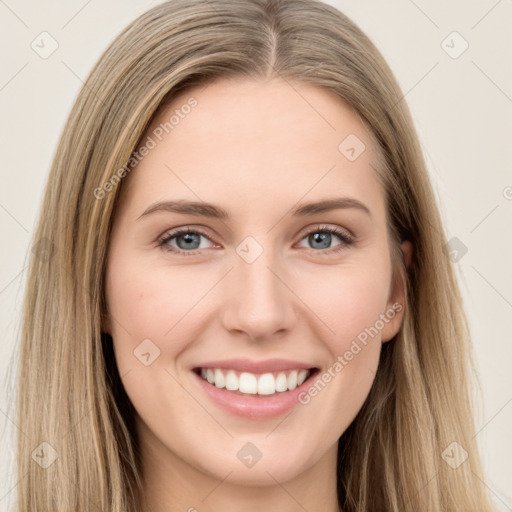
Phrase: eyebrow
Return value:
(202, 209)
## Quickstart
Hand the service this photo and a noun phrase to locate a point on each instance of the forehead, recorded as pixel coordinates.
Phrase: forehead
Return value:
(254, 143)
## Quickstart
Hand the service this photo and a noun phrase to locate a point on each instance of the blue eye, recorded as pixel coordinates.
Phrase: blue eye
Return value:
(323, 241)
(188, 240)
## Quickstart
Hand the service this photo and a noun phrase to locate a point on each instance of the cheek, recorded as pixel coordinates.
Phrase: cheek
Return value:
(149, 304)
(351, 304)
(350, 300)
(153, 311)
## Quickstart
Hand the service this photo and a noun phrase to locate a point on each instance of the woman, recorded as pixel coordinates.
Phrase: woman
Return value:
(258, 369)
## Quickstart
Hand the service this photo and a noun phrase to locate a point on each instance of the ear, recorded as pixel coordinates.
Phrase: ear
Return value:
(395, 308)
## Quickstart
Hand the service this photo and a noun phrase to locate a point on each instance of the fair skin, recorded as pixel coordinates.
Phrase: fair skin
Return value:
(259, 150)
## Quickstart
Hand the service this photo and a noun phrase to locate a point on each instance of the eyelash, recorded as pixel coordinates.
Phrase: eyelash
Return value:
(346, 240)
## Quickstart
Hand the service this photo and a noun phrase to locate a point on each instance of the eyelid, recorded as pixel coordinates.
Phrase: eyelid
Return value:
(328, 227)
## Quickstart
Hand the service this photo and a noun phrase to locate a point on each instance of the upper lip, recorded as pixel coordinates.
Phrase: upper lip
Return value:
(248, 365)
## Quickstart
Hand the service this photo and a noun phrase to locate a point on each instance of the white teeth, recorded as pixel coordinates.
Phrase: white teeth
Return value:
(281, 382)
(250, 383)
(301, 377)
(231, 381)
(219, 378)
(292, 380)
(266, 384)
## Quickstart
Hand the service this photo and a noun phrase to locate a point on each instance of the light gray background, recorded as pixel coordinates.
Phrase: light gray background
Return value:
(462, 108)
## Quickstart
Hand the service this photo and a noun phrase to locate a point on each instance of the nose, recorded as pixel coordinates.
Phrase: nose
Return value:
(258, 301)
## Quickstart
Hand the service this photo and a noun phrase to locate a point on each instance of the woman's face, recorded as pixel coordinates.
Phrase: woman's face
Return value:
(258, 298)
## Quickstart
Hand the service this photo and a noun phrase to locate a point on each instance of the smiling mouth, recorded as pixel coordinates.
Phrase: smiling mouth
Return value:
(254, 384)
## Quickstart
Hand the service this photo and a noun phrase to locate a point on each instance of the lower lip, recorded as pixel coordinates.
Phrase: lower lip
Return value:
(258, 407)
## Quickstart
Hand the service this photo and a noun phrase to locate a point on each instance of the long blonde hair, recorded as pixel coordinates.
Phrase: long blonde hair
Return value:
(69, 393)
